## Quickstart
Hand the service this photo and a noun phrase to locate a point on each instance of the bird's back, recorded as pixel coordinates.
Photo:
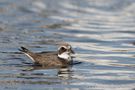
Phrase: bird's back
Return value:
(48, 59)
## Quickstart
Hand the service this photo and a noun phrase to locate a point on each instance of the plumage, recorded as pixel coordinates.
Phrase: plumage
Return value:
(58, 58)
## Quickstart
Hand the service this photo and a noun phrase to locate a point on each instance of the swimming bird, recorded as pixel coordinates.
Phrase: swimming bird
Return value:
(60, 58)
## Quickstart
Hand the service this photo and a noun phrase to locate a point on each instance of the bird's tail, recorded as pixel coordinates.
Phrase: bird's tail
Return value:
(23, 49)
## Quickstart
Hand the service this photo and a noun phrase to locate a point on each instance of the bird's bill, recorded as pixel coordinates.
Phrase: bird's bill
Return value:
(72, 51)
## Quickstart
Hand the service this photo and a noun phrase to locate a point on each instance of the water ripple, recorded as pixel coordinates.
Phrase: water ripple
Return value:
(100, 31)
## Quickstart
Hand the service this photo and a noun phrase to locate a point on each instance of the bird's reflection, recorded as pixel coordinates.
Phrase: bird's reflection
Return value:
(64, 72)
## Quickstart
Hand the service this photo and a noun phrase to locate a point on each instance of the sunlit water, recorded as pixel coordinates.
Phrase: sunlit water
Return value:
(102, 32)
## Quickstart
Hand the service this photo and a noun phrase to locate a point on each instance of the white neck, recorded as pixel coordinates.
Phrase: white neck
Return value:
(65, 55)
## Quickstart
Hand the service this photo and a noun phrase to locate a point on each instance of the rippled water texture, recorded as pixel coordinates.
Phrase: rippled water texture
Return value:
(102, 32)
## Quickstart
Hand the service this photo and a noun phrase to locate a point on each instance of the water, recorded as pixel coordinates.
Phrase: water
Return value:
(102, 32)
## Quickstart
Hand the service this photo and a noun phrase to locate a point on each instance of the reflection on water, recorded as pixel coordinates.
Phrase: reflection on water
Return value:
(34, 75)
(100, 31)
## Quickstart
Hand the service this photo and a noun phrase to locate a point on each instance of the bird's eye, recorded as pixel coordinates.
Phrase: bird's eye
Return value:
(63, 49)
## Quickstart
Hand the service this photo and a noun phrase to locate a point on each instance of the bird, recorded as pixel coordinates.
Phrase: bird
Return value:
(60, 58)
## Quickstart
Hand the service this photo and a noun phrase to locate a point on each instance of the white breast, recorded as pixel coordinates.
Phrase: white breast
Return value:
(65, 55)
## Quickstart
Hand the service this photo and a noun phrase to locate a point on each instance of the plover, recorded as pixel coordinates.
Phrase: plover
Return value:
(61, 57)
